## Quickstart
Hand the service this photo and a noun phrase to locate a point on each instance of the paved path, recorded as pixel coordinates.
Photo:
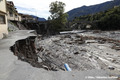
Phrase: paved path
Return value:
(13, 69)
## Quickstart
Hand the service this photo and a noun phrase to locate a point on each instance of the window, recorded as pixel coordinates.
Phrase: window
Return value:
(11, 14)
(2, 19)
(16, 16)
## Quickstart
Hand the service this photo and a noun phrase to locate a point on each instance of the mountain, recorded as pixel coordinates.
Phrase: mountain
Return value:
(39, 19)
(106, 20)
(85, 10)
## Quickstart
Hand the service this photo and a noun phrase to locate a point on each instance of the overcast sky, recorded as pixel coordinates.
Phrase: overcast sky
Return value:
(41, 7)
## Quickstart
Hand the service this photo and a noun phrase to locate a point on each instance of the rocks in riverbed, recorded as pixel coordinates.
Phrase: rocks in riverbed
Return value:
(76, 53)
(40, 49)
(116, 47)
(111, 67)
(101, 41)
(118, 77)
(73, 49)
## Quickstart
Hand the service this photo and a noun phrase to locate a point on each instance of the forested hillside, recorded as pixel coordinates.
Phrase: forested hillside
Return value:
(85, 10)
(107, 20)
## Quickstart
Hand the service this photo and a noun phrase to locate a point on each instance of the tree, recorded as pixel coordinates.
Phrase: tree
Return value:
(57, 18)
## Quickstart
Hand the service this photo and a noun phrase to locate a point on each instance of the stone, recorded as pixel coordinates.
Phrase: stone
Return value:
(118, 77)
(111, 67)
(90, 56)
(113, 60)
(107, 53)
(39, 60)
(76, 53)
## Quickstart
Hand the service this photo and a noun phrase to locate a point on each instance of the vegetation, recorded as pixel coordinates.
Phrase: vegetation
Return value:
(86, 10)
(107, 20)
(57, 18)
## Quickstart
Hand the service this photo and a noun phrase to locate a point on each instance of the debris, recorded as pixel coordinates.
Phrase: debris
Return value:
(83, 50)
(96, 31)
(67, 67)
(81, 42)
(67, 36)
(39, 60)
(101, 41)
(96, 58)
(118, 77)
(107, 53)
(90, 56)
(45, 67)
(111, 67)
(53, 52)
(113, 60)
(90, 41)
(40, 49)
(116, 47)
(76, 53)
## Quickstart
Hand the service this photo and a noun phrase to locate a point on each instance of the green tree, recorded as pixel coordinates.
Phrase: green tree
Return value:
(57, 18)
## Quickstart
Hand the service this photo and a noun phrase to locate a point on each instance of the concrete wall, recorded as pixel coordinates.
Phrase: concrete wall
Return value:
(3, 5)
(3, 27)
(19, 18)
(9, 17)
(14, 18)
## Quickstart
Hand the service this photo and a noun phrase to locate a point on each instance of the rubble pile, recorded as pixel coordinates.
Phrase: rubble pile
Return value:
(80, 52)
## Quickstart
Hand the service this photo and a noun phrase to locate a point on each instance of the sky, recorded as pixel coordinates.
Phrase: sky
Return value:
(41, 8)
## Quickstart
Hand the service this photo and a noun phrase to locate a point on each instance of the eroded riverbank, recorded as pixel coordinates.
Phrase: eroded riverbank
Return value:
(82, 51)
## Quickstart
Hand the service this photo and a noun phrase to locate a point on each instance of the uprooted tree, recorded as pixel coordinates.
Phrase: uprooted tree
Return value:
(57, 18)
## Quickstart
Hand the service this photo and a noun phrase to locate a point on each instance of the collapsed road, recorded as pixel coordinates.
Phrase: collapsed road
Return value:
(82, 51)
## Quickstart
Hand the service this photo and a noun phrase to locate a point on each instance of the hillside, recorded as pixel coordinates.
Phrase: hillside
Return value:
(39, 19)
(107, 20)
(85, 10)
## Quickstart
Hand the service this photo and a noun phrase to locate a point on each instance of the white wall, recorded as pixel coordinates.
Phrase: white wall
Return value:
(3, 27)
(3, 6)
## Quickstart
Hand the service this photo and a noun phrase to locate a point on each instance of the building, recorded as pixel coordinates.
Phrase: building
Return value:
(19, 17)
(12, 12)
(3, 19)
(27, 17)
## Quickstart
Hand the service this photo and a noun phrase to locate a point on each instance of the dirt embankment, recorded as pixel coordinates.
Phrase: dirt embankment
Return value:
(25, 50)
